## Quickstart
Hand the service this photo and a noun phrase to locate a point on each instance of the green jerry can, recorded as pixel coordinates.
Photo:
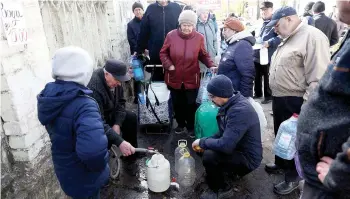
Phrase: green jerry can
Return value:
(205, 120)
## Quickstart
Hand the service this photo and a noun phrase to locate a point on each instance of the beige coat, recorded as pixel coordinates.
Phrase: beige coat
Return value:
(299, 62)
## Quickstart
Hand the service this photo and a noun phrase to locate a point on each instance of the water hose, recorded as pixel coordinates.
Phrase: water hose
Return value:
(116, 153)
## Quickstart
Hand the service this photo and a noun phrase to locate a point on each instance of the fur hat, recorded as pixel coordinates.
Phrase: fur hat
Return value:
(136, 5)
(234, 24)
(202, 10)
(188, 16)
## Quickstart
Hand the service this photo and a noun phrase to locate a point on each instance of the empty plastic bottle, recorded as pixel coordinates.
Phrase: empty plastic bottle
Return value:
(179, 151)
(264, 56)
(141, 98)
(137, 69)
(202, 95)
(187, 170)
(284, 145)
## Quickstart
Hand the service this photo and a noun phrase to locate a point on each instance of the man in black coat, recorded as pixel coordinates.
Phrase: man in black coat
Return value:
(327, 25)
(108, 93)
(133, 30)
(160, 18)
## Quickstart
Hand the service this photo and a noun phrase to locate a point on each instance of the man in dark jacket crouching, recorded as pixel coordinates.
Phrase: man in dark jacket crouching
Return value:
(108, 92)
(237, 146)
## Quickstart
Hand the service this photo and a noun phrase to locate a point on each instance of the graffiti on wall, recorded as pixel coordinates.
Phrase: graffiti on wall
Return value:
(14, 22)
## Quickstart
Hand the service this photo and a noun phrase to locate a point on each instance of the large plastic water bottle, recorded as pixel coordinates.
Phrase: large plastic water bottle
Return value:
(202, 95)
(179, 151)
(137, 68)
(187, 170)
(264, 56)
(284, 145)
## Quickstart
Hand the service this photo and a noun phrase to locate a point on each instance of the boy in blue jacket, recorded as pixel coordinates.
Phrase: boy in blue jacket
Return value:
(73, 121)
(237, 146)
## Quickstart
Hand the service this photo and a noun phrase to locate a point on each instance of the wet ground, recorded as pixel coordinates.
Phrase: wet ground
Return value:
(256, 185)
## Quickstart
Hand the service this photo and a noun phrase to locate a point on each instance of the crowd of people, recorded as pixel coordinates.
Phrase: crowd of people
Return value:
(84, 110)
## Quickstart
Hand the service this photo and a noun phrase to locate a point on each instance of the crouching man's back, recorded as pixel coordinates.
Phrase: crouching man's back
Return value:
(237, 147)
(73, 121)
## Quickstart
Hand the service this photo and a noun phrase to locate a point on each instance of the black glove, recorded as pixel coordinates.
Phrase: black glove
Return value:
(113, 138)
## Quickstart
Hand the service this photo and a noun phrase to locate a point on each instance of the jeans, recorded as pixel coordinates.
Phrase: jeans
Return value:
(283, 108)
(215, 163)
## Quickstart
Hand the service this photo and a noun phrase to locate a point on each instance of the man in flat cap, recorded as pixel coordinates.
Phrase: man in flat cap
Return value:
(108, 92)
(270, 40)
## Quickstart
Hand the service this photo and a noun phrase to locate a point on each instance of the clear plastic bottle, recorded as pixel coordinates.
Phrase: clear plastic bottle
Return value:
(264, 56)
(187, 170)
(179, 151)
(137, 68)
(202, 92)
(284, 145)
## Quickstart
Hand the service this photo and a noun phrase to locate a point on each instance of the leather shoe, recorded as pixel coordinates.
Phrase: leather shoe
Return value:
(273, 168)
(285, 188)
(266, 101)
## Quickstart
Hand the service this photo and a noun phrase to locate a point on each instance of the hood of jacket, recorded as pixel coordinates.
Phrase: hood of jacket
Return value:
(243, 35)
(55, 96)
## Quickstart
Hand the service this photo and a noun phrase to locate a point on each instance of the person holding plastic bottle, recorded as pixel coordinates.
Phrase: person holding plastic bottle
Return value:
(296, 67)
(182, 50)
(323, 137)
(237, 147)
(133, 30)
(237, 61)
(270, 40)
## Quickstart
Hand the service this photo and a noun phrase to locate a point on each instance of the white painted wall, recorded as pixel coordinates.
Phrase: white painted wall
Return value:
(24, 71)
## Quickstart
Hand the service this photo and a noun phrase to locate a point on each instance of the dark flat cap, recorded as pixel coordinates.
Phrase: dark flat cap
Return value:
(266, 4)
(118, 69)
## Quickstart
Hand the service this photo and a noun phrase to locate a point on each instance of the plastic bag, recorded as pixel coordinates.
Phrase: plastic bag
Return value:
(202, 92)
(259, 110)
(205, 120)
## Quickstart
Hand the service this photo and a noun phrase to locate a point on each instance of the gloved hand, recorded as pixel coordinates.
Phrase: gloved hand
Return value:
(113, 138)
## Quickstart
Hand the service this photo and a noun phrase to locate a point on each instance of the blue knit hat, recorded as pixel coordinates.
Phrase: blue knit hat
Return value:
(220, 86)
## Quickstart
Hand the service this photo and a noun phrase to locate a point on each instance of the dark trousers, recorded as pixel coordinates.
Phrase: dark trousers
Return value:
(95, 196)
(137, 89)
(262, 71)
(184, 106)
(129, 128)
(216, 163)
(283, 108)
(311, 192)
